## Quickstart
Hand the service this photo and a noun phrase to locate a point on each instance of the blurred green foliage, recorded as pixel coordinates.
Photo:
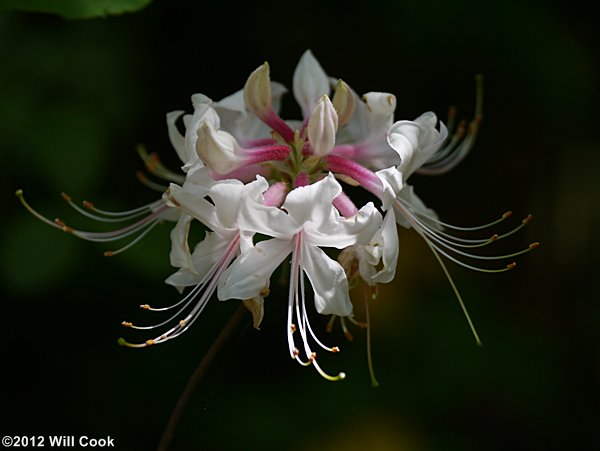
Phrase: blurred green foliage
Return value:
(75, 9)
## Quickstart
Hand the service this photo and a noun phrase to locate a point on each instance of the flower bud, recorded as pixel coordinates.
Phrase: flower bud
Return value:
(217, 149)
(257, 92)
(343, 102)
(322, 127)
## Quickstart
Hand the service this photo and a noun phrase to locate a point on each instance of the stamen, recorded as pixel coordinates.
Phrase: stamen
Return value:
(340, 377)
(149, 183)
(374, 382)
(155, 166)
(202, 290)
(133, 242)
(347, 333)
(406, 213)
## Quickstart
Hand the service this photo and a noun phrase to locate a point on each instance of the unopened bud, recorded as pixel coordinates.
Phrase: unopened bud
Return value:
(217, 149)
(257, 92)
(322, 127)
(343, 102)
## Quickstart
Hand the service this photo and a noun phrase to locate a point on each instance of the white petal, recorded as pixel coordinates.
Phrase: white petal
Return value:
(343, 232)
(328, 280)
(206, 254)
(203, 112)
(313, 203)
(180, 255)
(416, 141)
(310, 83)
(387, 236)
(391, 179)
(251, 271)
(195, 206)
(176, 138)
(380, 107)
(229, 195)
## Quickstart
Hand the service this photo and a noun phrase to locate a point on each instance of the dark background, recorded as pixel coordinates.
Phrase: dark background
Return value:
(75, 99)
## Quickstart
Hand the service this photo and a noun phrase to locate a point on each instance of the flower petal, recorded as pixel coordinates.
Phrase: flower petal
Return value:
(251, 271)
(176, 138)
(328, 280)
(180, 256)
(312, 204)
(310, 83)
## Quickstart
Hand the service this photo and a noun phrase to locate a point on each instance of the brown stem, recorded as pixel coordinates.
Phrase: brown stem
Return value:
(197, 376)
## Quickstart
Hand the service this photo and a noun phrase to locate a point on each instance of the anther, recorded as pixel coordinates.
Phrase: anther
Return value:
(88, 204)
(150, 342)
(59, 222)
(507, 214)
(527, 219)
(182, 323)
(172, 199)
(534, 245)
(108, 253)
(145, 306)
(293, 328)
(494, 237)
(296, 352)
(511, 265)
(141, 176)
(66, 197)
(126, 324)
(313, 356)
(335, 349)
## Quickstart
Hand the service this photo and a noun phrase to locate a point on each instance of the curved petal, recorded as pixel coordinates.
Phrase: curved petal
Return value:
(180, 255)
(195, 206)
(310, 83)
(387, 238)
(328, 280)
(206, 254)
(251, 271)
(229, 195)
(176, 138)
(311, 205)
(347, 231)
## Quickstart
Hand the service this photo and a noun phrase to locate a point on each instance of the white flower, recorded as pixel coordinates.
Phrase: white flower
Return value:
(311, 222)
(247, 171)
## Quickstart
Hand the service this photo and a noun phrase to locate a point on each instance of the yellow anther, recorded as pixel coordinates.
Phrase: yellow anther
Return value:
(182, 323)
(108, 253)
(511, 265)
(335, 349)
(145, 306)
(534, 245)
(127, 324)
(150, 342)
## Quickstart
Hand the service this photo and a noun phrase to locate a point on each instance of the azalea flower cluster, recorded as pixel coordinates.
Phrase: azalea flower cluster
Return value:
(271, 192)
